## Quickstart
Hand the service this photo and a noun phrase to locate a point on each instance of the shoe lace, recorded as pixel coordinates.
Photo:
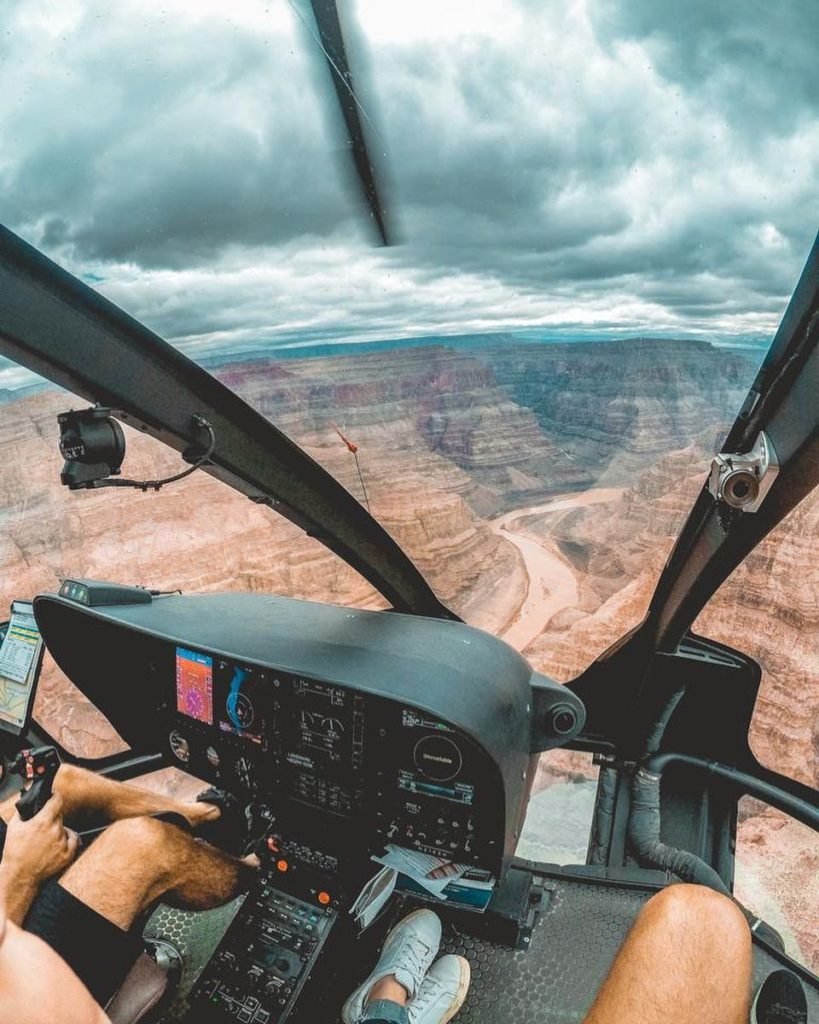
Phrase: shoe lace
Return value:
(413, 956)
(427, 993)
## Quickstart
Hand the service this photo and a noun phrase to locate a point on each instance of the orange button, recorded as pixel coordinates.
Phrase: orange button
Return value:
(282, 865)
(324, 898)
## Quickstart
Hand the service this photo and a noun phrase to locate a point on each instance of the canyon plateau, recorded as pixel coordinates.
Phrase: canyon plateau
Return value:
(539, 487)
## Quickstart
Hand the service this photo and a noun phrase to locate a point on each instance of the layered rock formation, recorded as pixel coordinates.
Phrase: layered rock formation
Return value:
(769, 608)
(615, 408)
(424, 401)
(201, 535)
(450, 441)
(448, 438)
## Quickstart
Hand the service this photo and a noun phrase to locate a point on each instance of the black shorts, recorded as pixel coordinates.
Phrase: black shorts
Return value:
(97, 951)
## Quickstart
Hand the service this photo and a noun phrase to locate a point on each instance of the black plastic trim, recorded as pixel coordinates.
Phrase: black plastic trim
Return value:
(55, 325)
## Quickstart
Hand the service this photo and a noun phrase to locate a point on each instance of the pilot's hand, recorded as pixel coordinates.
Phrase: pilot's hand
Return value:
(41, 847)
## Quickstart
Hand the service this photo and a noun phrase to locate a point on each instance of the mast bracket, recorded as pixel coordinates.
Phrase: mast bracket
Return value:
(742, 481)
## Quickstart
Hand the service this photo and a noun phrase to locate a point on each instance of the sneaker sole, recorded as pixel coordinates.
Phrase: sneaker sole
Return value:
(345, 1010)
(752, 1017)
(460, 995)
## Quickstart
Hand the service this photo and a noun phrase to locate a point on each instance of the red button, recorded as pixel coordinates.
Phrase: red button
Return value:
(324, 898)
(282, 865)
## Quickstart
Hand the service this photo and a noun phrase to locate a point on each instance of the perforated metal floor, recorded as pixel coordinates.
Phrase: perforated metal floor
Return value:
(571, 951)
(553, 982)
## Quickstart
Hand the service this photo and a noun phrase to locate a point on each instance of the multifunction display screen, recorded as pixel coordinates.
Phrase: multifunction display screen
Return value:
(19, 666)
(243, 700)
(194, 685)
(321, 725)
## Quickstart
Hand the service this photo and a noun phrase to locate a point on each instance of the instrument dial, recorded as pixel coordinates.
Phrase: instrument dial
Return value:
(180, 748)
(438, 758)
(245, 774)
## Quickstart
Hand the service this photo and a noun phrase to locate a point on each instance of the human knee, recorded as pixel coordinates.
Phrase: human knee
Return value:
(146, 848)
(69, 778)
(141, 833)
(703, 910)
(144, 842)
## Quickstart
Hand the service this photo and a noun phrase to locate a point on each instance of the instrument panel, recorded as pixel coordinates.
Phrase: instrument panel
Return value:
(375, 769)
(341, 728)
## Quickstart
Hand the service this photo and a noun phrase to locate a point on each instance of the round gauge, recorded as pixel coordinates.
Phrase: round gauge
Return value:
(438, 758)
(180, 747)
(241, 711)
(212, 755)
(244, 773)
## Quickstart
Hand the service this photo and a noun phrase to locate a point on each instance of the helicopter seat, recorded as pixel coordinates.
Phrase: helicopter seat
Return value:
(149, 981)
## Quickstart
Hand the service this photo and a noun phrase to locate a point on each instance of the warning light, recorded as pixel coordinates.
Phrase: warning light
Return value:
(272, 845)
(282, 865)
(324, 898)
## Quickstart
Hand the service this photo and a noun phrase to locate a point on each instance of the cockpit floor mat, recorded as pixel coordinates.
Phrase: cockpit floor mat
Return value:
(554, 981)
(571, 950)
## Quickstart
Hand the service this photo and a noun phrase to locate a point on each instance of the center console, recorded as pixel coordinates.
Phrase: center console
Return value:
(263, 961)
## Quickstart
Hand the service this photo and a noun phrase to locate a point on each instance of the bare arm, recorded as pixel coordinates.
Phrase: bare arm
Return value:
(17, 893)
(37, 986)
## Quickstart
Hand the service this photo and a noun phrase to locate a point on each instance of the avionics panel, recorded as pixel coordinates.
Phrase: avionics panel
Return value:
(367, 726)
(371, 768)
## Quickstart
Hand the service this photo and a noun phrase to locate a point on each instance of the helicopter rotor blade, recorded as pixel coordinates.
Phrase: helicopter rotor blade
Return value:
(331, 40)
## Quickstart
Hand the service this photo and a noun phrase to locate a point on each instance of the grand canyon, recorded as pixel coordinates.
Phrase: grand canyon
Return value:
(538, 486)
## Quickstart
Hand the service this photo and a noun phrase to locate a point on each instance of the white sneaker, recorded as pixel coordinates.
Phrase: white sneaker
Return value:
(442, 992)
(407, 952)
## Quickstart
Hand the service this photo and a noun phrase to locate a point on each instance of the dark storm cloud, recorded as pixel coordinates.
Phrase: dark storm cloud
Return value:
(755, 61)
(599, 163)
(152, 144)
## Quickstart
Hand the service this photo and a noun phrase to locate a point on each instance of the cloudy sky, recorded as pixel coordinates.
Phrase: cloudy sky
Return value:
(631, 164)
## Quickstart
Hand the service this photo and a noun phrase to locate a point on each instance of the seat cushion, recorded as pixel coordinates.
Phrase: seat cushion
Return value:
(142, 989)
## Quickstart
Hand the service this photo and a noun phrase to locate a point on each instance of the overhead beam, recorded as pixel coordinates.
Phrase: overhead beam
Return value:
(53, 324)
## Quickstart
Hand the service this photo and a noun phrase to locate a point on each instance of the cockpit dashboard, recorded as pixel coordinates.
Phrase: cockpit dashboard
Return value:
(340, 733)
(368, 727)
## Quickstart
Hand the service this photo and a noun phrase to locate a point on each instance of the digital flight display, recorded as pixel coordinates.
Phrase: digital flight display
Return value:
(194, 685)
(243, 699)
(20, 660)
(321, 726)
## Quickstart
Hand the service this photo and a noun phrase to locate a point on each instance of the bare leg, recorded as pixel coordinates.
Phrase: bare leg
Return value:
(687, 960)
(388, 988)
(137, 860)
(85, 792)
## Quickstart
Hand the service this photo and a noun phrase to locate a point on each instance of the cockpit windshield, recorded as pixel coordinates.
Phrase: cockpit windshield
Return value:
(594, 245)
(596, 214)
